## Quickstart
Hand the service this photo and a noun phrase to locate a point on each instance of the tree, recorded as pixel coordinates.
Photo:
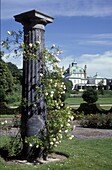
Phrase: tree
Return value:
(68, 88)
(100, 87)
(2, 95)
(6, 78)
(16, 73)
(90, 95)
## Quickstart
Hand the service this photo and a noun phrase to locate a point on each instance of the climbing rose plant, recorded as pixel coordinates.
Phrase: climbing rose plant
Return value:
(59, 116)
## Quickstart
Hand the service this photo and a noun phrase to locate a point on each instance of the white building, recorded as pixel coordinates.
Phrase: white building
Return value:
(80, 80)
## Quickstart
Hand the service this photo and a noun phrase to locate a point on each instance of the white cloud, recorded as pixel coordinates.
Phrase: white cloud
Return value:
(102, 36)
(95, 39)
(95, 42)
(100, 63)
(59, 8)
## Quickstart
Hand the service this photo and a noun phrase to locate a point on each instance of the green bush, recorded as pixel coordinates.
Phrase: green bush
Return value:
(107, 93)
(101, 121)
(4, 109)
(65, 96)
(90, 95)
(2, 95)
(13, 98)
(88, 108)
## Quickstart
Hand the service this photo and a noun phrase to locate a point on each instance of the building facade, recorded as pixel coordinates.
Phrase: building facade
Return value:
(80, 80)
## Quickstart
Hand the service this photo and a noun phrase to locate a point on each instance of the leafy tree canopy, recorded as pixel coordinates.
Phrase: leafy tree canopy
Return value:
(16, 73)
(68, 84)
(6, 78)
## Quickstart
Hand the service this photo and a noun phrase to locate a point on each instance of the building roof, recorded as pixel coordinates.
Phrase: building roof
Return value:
(76, 69)
(96, 76)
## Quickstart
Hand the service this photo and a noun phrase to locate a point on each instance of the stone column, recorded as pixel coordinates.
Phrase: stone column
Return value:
(34, 111)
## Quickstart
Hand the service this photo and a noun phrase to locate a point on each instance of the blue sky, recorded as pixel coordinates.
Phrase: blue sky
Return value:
(81, 28)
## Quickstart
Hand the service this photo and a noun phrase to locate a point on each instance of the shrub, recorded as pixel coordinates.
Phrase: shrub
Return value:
(90, 95)
(50, 88)
(4, 109)
(91, 108)
(101, 121)
(13, 98)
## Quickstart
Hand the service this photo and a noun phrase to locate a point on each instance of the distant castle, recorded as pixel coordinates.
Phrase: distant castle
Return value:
(80, 80)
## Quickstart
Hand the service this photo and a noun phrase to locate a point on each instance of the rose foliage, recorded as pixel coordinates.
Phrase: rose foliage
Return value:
(59, 116)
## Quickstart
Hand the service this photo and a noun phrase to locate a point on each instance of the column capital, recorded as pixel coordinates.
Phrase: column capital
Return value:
(33, 18)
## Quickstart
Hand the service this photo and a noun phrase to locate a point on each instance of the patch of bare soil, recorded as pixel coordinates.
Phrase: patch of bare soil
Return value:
(54, 157)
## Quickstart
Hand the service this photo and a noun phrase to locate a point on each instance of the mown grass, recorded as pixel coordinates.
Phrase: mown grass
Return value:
(83, 155)
(7, 116)
(79, 100)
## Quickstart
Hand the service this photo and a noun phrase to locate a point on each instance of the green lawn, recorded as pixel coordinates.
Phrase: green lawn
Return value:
(79, 100)
(94, 154)
(7, 116)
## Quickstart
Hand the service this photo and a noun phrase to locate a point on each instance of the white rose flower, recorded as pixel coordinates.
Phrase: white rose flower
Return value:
(57, 142)
(61, 51)
(30, 45)
(34, 105)
(53, 46)
(60, 136)
(72, 117)
(55, 84)
(38, 42)
(71, 137)
(41, 74)
(54, 139)
(61, 104)
(57, 59)
(66, 131)
(5, 121)
(51, 95)
(64, 87)
(68, 124)
(62, 76)
(30, 145)
(51, 143)
(46, 93)
(2, 43)
(2, 123)
(8, 32)
(74, 127)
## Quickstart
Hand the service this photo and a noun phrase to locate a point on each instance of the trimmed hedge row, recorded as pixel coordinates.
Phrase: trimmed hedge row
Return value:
(88, 108)
(102, 121)
(5, 109)
(93, 116)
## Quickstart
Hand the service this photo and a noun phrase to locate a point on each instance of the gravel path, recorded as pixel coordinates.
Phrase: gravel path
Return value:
(89, 133)
(79, 132)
